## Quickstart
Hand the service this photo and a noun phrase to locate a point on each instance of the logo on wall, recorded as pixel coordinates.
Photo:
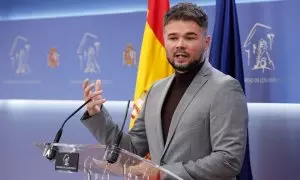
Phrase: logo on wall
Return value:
(88, 53)
(53, 58)
(19, 55)
(258, 47)
(129, 56)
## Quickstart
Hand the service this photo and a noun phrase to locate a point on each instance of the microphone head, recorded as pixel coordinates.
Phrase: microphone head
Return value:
(112, 154)
(49, 152)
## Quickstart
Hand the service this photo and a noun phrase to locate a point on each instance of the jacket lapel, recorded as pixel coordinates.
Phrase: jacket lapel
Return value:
(164, 91)
(198, 82)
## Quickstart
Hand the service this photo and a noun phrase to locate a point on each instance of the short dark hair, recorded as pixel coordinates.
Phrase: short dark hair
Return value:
(187, 12)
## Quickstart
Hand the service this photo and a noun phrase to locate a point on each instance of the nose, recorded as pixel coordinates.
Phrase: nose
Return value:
(180, 43)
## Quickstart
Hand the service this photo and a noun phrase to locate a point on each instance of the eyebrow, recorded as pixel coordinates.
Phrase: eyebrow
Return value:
(191, 33)
(172, 34)
(186, 34)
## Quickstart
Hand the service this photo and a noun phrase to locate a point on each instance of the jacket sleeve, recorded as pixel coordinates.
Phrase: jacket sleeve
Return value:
(104, 129)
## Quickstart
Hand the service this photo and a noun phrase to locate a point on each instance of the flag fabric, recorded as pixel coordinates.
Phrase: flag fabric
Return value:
(226, 55)
(153, 64)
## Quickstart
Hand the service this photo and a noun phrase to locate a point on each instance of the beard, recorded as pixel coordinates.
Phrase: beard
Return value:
(190, 66)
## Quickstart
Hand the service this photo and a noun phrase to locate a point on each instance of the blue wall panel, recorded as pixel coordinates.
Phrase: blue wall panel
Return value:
(263, 39)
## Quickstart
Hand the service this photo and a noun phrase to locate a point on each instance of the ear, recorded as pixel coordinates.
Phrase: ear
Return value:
(207, 41)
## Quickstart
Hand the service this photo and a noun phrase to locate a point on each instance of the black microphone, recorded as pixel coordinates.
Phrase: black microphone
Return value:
(112, 152)
(51, 152)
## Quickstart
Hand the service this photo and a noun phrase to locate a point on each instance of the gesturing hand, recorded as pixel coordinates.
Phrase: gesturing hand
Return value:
(97, 100)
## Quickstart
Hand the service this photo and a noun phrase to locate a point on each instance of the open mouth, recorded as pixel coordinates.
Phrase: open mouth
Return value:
(181, 55)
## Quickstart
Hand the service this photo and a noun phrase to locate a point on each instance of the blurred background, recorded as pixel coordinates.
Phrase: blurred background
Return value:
(37, 93)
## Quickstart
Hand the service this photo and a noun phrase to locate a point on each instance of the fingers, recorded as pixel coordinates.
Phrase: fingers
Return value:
(93, 104)
(96, 95)
(98, 85)
(89, 94)
(87, 90)
(85, 83)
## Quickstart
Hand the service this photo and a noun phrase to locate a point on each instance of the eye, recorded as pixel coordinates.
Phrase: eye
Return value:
(172, 38)
(190, 38)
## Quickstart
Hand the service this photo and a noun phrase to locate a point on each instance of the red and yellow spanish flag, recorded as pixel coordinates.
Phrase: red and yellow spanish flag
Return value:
(153, 63)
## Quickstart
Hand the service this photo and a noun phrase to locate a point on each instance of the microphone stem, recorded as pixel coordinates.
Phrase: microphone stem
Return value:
(120, 133)
(114, 150)
(128, 103)
(62, 126)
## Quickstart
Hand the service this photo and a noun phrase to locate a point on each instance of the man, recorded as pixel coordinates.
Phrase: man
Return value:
(193, 123)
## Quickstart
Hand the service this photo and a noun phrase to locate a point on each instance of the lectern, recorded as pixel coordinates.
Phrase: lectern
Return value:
(95, 161)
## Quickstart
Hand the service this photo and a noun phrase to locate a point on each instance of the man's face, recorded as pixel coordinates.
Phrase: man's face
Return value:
(185, 43)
